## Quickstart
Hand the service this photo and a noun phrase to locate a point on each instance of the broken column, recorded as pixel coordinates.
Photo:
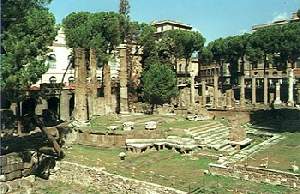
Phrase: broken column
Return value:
(216, 97)
(291, 88)
(203, 94)
(80, 89)
(93, 83)
(228, 99)
(266, 89)
(64, 105)
(253, 90)
(123, 81)
(107, 89)
(192, 89)
(242, 91)
(277, 94)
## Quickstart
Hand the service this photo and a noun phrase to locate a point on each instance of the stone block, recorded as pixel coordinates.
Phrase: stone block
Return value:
(12, 167)
(128, 126)
(13, 175)
(151, 125)
(3, 161)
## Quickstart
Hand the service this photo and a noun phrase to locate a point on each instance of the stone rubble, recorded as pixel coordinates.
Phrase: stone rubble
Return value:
(106, 182)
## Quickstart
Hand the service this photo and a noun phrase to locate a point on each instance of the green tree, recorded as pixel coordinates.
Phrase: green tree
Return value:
(177, 44)
(289, 48)
(205, 56)
(298, 13)
(159, 83)
(28, 29)
(146, 38)
(93, 30)
(124, 7)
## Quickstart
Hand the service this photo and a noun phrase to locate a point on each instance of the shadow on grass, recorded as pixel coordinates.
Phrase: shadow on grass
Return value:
(277, 120)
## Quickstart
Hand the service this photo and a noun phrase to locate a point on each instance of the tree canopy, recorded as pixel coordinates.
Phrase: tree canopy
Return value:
(93, 30)
(159, 83)
(277, 43)
(182, 44)
(28, 29)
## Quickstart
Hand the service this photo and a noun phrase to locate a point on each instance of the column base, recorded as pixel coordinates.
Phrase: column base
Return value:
(291, 103)
(278, 102)
(124, 113)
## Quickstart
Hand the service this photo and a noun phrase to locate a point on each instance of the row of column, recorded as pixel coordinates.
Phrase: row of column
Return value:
(229, 94)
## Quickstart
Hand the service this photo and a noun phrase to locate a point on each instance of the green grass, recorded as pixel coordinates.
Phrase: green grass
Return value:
(58, 187)
(280, 155)
(167, 125)
(167, 168)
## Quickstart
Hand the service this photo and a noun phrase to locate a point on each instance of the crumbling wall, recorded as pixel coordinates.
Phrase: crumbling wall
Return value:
(101, 140)
(256, 174)
(106, 182)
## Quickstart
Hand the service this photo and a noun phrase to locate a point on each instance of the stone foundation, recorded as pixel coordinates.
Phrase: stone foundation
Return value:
(256, 174)
(106, 182)
(101, 140)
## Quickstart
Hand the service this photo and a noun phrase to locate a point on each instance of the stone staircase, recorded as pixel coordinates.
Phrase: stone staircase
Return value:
(213, 135)
(251, 150)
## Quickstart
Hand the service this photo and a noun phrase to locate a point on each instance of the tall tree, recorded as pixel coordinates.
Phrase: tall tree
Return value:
(178, 44)
(147, 40)
(124, 8)
(27, 31)
(159, 83)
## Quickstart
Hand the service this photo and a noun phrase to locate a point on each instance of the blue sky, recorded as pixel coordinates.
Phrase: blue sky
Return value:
(213, 18)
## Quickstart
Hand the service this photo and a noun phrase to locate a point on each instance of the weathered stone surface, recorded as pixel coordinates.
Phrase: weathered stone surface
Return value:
(256, 174)
(197, 117)
(94, 82)
(80, 111)
(107, 89)
(128, 126)
(123, 81)
(106, 182)
(151, 125)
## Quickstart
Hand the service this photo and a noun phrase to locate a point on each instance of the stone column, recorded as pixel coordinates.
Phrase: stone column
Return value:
(203, 94)
(291, 88)
(123, 81)
(80, 86)
(192, 89)
(253, 90)
(228, 99)
(64, 105)
(242, 91)
(216, 97)
(107, 89)
(266, 89)
(277, 93)
(94, 82)
(298, 95)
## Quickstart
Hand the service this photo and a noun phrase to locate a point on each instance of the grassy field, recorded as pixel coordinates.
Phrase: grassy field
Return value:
(166, 125)
(281, 155)
(167, 168)
(58, 187)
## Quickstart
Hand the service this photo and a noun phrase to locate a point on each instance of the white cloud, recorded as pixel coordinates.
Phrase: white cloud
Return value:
(280, 16)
